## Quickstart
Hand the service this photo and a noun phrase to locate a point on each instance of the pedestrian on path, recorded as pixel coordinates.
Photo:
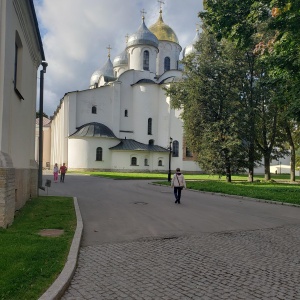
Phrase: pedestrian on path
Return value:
(178, 182)
(63, 171)
(55, 172)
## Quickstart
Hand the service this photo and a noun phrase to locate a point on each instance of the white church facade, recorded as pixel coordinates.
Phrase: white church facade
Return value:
(124, 121)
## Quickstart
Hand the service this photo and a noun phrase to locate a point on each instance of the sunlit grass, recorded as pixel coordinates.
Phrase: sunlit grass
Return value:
(281, 192)
(30, 263)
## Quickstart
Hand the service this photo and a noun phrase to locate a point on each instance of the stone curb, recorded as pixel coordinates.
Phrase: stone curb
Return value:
(58, 288)
(239, 197)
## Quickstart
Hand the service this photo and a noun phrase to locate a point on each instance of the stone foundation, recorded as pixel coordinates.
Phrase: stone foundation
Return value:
(7, 190)
(16, 187)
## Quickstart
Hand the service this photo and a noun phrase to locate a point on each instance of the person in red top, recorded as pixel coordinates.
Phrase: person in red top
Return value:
(63, 170)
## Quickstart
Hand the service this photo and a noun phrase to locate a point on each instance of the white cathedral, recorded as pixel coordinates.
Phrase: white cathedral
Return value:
(123, 121)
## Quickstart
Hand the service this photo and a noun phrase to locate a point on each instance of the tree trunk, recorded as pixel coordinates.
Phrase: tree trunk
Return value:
(293, 152)
(228, 170)
(267, 167)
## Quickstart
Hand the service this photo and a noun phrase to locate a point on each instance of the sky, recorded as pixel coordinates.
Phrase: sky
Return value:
(77, 33)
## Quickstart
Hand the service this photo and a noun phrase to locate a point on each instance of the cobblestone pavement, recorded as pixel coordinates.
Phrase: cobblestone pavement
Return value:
(258, 264)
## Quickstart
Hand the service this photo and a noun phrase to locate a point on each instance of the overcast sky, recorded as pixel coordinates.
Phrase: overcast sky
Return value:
(76, 34)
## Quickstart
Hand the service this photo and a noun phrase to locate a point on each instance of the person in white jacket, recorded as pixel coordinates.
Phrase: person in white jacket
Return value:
(178, 183)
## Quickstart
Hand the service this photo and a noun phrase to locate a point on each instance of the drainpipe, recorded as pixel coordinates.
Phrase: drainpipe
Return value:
(40, 172)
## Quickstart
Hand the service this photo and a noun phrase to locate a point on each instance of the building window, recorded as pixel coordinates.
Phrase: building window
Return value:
(160, 163)
(146, 162)
(150, 126)
(175, 149)
(99, 154)
(18, 66)
(94, 110)
(188, 153)
(167, 63)
(126, 113)
(133, 161)
(151, 142)
(146, 60)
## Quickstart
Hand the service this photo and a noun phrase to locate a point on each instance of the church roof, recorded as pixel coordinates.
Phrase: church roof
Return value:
(132, 145)
(144, 80)
(162, 31)
(191, 48)
(93, 129)
(143, 37)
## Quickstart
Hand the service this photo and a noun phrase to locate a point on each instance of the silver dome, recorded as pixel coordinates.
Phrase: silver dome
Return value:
(95, 77)
(106, 70)
(143, 37)
(121, 59)
(191, 48)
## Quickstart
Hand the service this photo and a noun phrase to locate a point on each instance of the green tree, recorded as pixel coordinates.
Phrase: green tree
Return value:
(268, 29)
(211, 98)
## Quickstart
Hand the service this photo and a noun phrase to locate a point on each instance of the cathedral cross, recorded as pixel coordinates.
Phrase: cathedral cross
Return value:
(160, 3)
(108, 48)
(143, 12)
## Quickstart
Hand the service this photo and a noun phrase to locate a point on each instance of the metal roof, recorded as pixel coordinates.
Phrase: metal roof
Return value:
(93, 129)
(132, 145)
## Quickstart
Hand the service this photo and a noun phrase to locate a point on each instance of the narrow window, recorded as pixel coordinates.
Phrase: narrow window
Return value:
(126, 113)
(167, 63)
(146, 60)
(146, 162)
(160, 163)
(188, 153)
(175, 149)
(94, 110)
(18, 66)
(150, 126)
(99, 154)
(133, 161)
(151, 142)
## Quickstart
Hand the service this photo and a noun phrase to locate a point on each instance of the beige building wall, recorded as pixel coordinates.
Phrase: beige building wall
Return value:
(20, 46)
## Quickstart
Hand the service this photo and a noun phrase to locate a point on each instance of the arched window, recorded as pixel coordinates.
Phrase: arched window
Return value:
(146, 162)
(146, 60)
(150, 126)
(99, 154)
(94, 110)
(167, 63)
(151, 142)
(133, 161)
(175, 149)
(160, 163)
(126, 113)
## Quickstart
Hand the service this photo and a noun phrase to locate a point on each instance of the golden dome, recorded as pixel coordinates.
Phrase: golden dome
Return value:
(162, 31)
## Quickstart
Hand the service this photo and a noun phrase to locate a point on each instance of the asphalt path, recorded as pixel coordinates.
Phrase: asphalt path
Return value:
(127, 210)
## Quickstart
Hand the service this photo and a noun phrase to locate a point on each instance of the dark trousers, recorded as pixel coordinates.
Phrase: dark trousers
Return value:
(62, 177)
(177, 193)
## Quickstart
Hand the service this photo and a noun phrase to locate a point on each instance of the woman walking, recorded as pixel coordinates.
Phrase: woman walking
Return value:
(55, 172)
(178, 182)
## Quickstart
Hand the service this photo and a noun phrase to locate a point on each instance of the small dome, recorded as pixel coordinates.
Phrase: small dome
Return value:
(143, 37)
(162, 31)
(93, 129)
(191, 48)
(106, 70)
(121, 59)
(95, 77)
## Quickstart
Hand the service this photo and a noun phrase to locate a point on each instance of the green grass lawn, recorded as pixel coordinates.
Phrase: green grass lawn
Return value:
(281, 192)
(279, 189)
(163, 176)
(30, 263)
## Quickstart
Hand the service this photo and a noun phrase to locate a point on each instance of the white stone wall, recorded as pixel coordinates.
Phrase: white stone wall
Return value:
(167, 49)
(18, 178)
(87, 148)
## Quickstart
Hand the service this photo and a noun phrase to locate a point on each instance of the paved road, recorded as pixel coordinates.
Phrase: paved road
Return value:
(139, 244)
